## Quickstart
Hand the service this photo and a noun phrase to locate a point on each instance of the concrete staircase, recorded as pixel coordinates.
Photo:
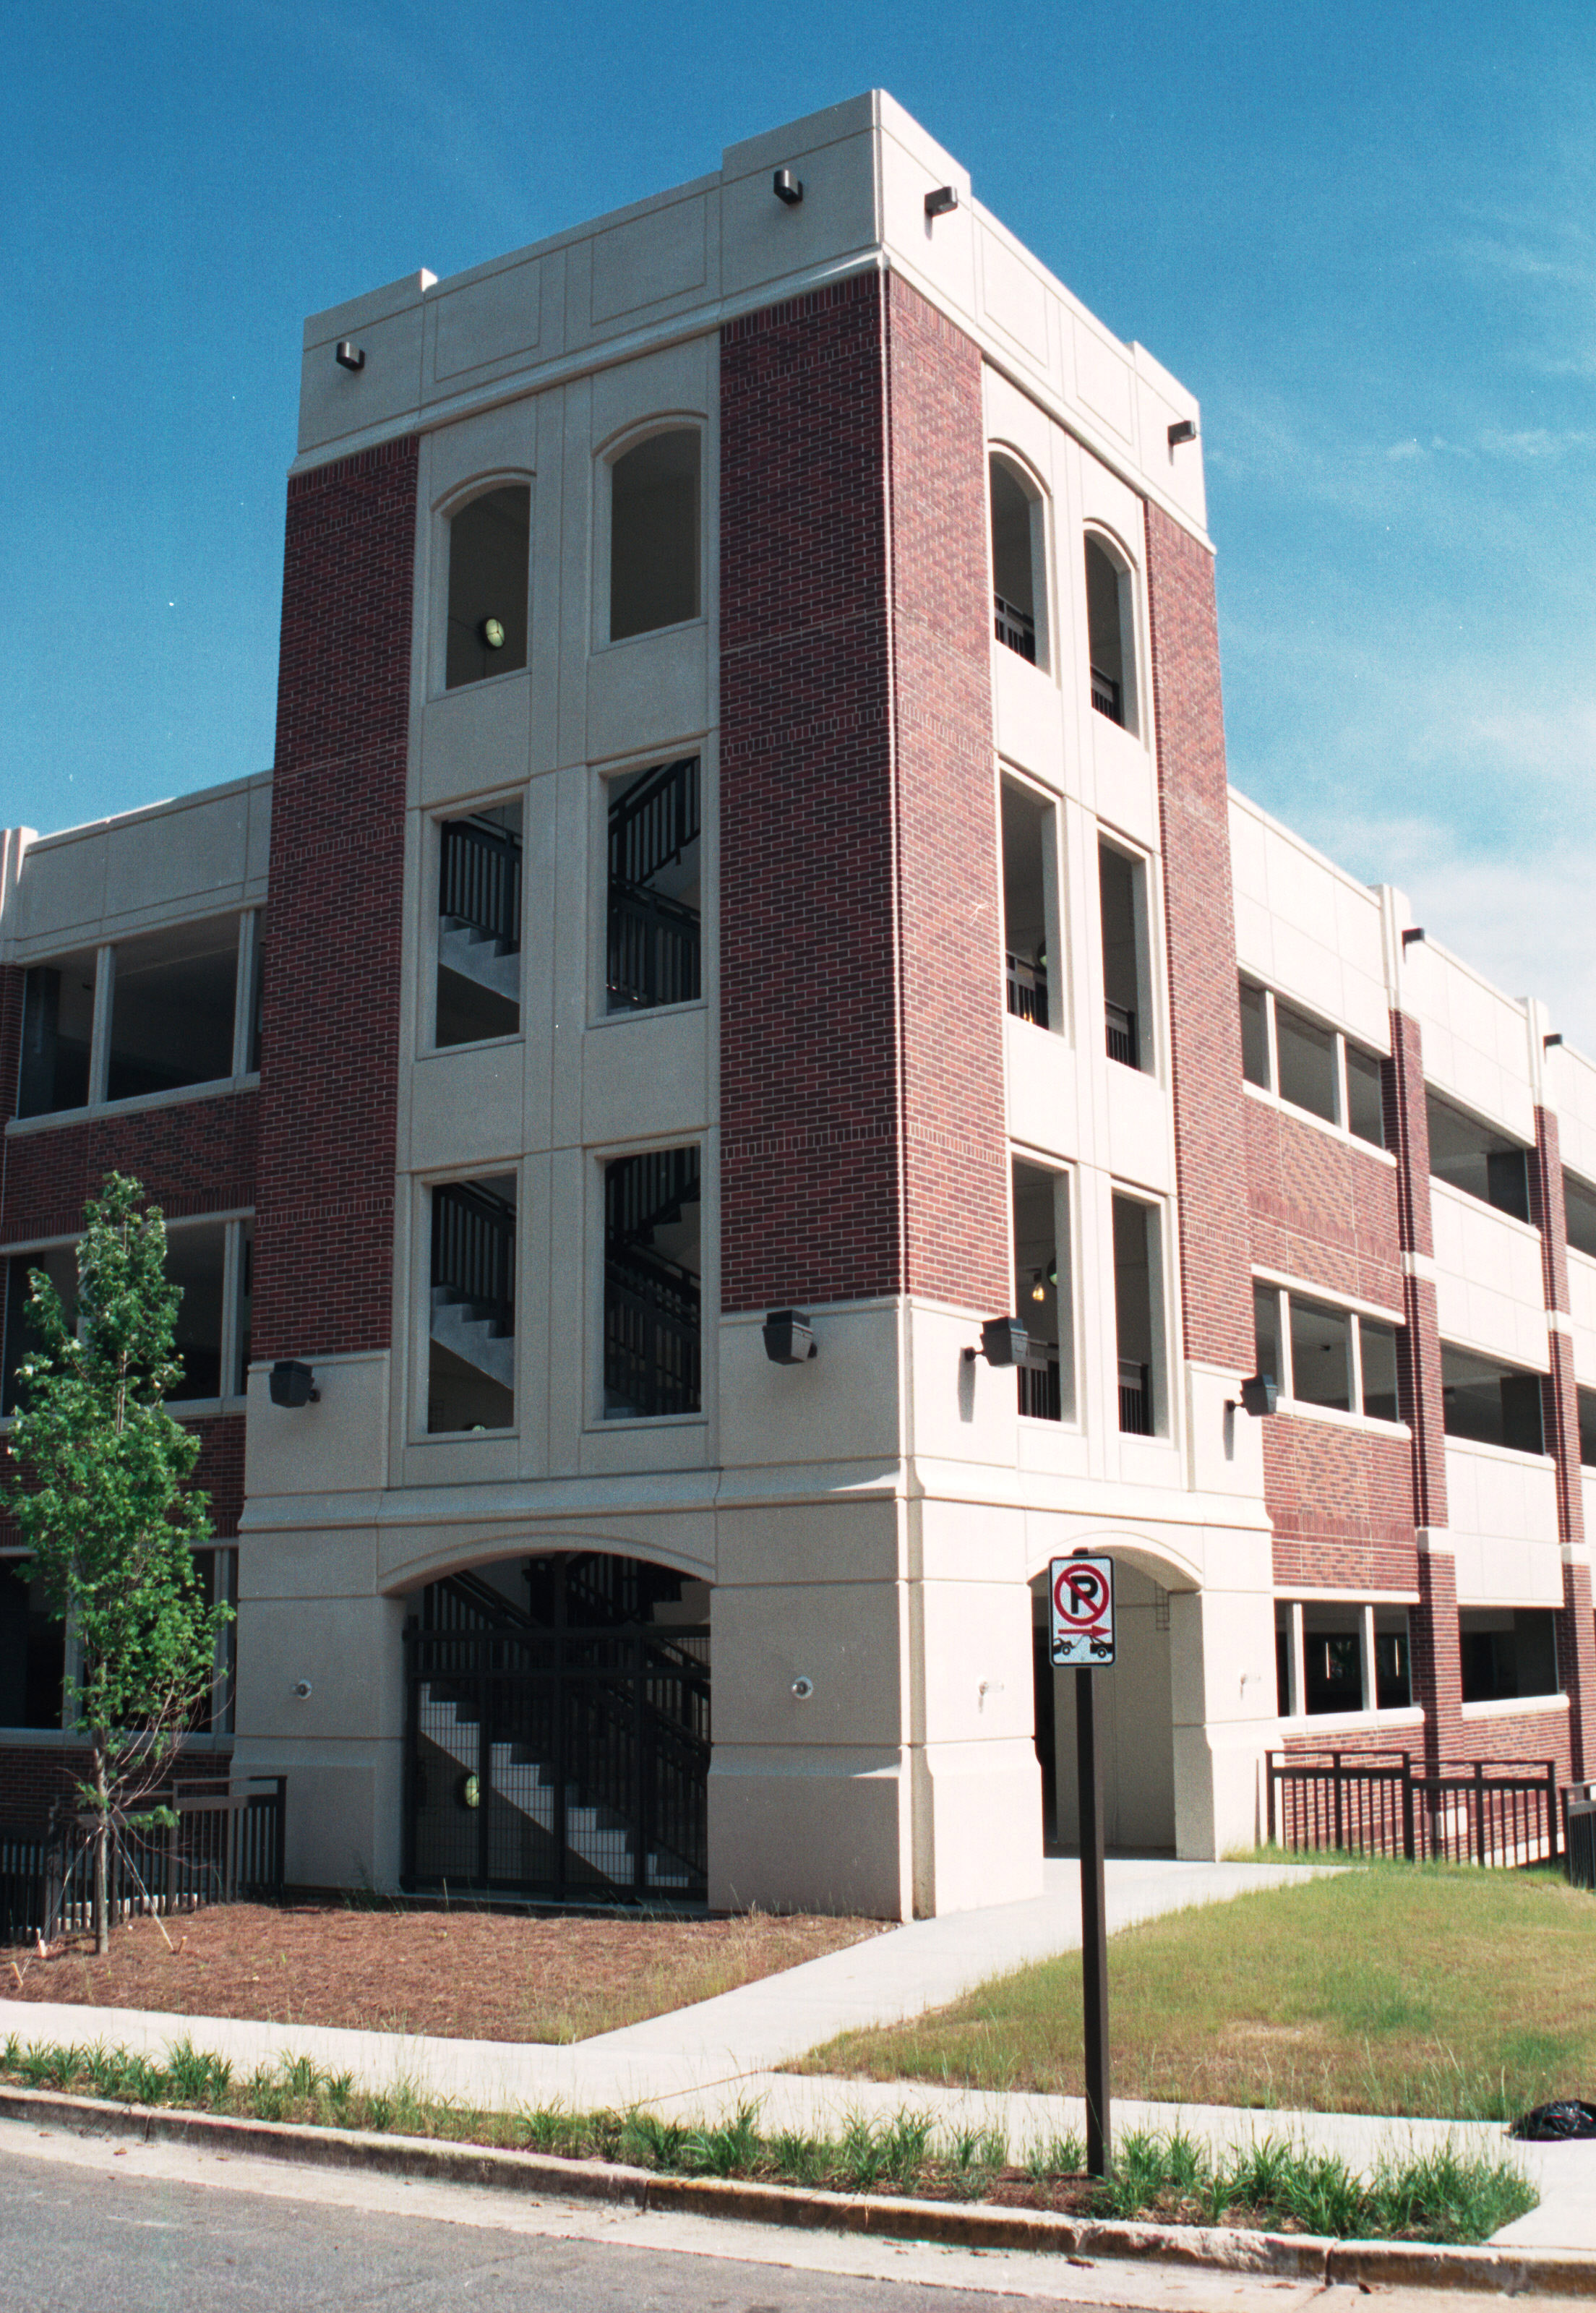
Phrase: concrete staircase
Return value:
(473, 1338)
(600, 1837)
(480, 956)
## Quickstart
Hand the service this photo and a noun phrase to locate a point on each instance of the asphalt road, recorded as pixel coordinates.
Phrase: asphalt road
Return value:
(79, 2241)
(93, 2224)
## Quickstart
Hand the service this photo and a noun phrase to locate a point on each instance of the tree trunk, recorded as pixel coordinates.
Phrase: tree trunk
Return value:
(102, 1845)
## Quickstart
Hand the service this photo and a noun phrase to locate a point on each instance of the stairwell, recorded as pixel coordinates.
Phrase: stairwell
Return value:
(601, 1836)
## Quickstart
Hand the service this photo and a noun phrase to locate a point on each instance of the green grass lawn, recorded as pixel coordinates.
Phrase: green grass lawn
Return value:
(1456, 1994)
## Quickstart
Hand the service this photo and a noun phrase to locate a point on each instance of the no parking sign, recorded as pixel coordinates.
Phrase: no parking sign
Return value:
(1081, 1612)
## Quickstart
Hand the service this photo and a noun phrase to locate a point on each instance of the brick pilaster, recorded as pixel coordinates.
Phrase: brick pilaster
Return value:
(1200, 934)
(862, 1133)
(330, 1014)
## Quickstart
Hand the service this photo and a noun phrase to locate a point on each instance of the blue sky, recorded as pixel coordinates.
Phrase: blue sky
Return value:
(1363, 235)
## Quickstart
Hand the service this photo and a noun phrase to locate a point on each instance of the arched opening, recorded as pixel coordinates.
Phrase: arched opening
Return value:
(1110, 627)
(654, 534)
(1135, 1722)
(1019, 591)
(558, 1731)
(490, 548)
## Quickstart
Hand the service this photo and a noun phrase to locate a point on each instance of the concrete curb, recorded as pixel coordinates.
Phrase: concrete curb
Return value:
(1301, 2256)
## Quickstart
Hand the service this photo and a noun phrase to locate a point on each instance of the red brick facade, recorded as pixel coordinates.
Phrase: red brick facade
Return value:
(329, 1018)
(863, 1148)
(950, 987)
(1200, 934)
(193, 1158)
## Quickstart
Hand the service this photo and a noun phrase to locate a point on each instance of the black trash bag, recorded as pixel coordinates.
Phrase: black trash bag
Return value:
(1550, 2124)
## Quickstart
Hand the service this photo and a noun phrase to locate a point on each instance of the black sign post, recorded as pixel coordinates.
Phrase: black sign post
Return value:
(1083, 1635)
(1094, 1925)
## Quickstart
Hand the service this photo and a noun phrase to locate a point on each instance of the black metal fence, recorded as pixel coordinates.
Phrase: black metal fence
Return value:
(226, 1846)
(1506, 1813)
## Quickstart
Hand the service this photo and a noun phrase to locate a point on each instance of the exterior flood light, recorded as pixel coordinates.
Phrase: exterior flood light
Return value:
(1184, 429)
(349, 355)
(787, 188)
(1413, 938)
(1549, 1043)
(1004, 1341)
(941, 201)
(293, 1384)
(790, 1338)
(1260, 1395)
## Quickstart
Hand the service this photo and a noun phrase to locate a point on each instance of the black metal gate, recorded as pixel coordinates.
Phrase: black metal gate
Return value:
(562, 1752)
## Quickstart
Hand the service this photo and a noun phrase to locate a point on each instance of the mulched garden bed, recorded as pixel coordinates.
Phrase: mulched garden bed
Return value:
(462, 1974)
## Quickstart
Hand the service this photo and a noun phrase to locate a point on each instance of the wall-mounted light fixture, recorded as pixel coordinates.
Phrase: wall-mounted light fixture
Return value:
(1546, 1042)
(301, 1688)
(1413, 937)
(1184, 429)
(803, 1688)
(787, 188)
(790, 1338)
(293, 1384)
(938, 202)
(1260, 1396)
(349, 355)
(490, 633)
(1004, 1341)
(1038, 1290)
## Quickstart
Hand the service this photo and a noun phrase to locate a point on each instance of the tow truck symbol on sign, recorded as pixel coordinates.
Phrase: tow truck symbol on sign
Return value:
(1081, 1612)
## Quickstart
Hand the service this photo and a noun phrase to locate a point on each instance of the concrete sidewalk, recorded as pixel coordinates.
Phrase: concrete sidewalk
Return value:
(704, 2061)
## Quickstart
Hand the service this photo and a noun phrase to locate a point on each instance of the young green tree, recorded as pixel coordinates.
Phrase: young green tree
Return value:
(99, 1492)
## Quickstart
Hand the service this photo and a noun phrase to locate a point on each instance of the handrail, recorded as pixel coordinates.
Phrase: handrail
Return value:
(653, 951)
(1015, 628)
(473, 1248)
(1027, 986)
(1108, 697)
(1120, 1035)
(480, 882)
(653, 823)
(644, 1192)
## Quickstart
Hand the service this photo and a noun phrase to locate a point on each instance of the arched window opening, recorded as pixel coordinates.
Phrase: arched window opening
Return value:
(1017, 563)
(490, 543)
(654, 534)
(1109, 636)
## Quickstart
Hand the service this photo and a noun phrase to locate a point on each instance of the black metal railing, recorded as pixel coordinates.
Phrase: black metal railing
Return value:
(1120, 1035)
(646, 1192)
(1027, 984)
(1135, 1398)
(1505, 1814)
(1015, 628)
(1108, 697)
(480, 880)
(653, 1336)
(653, 823)
(568, 1761)
(473, 1249)
(1040, 1390)
(653, 952)
(1579, 1833)
(225, 1845)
